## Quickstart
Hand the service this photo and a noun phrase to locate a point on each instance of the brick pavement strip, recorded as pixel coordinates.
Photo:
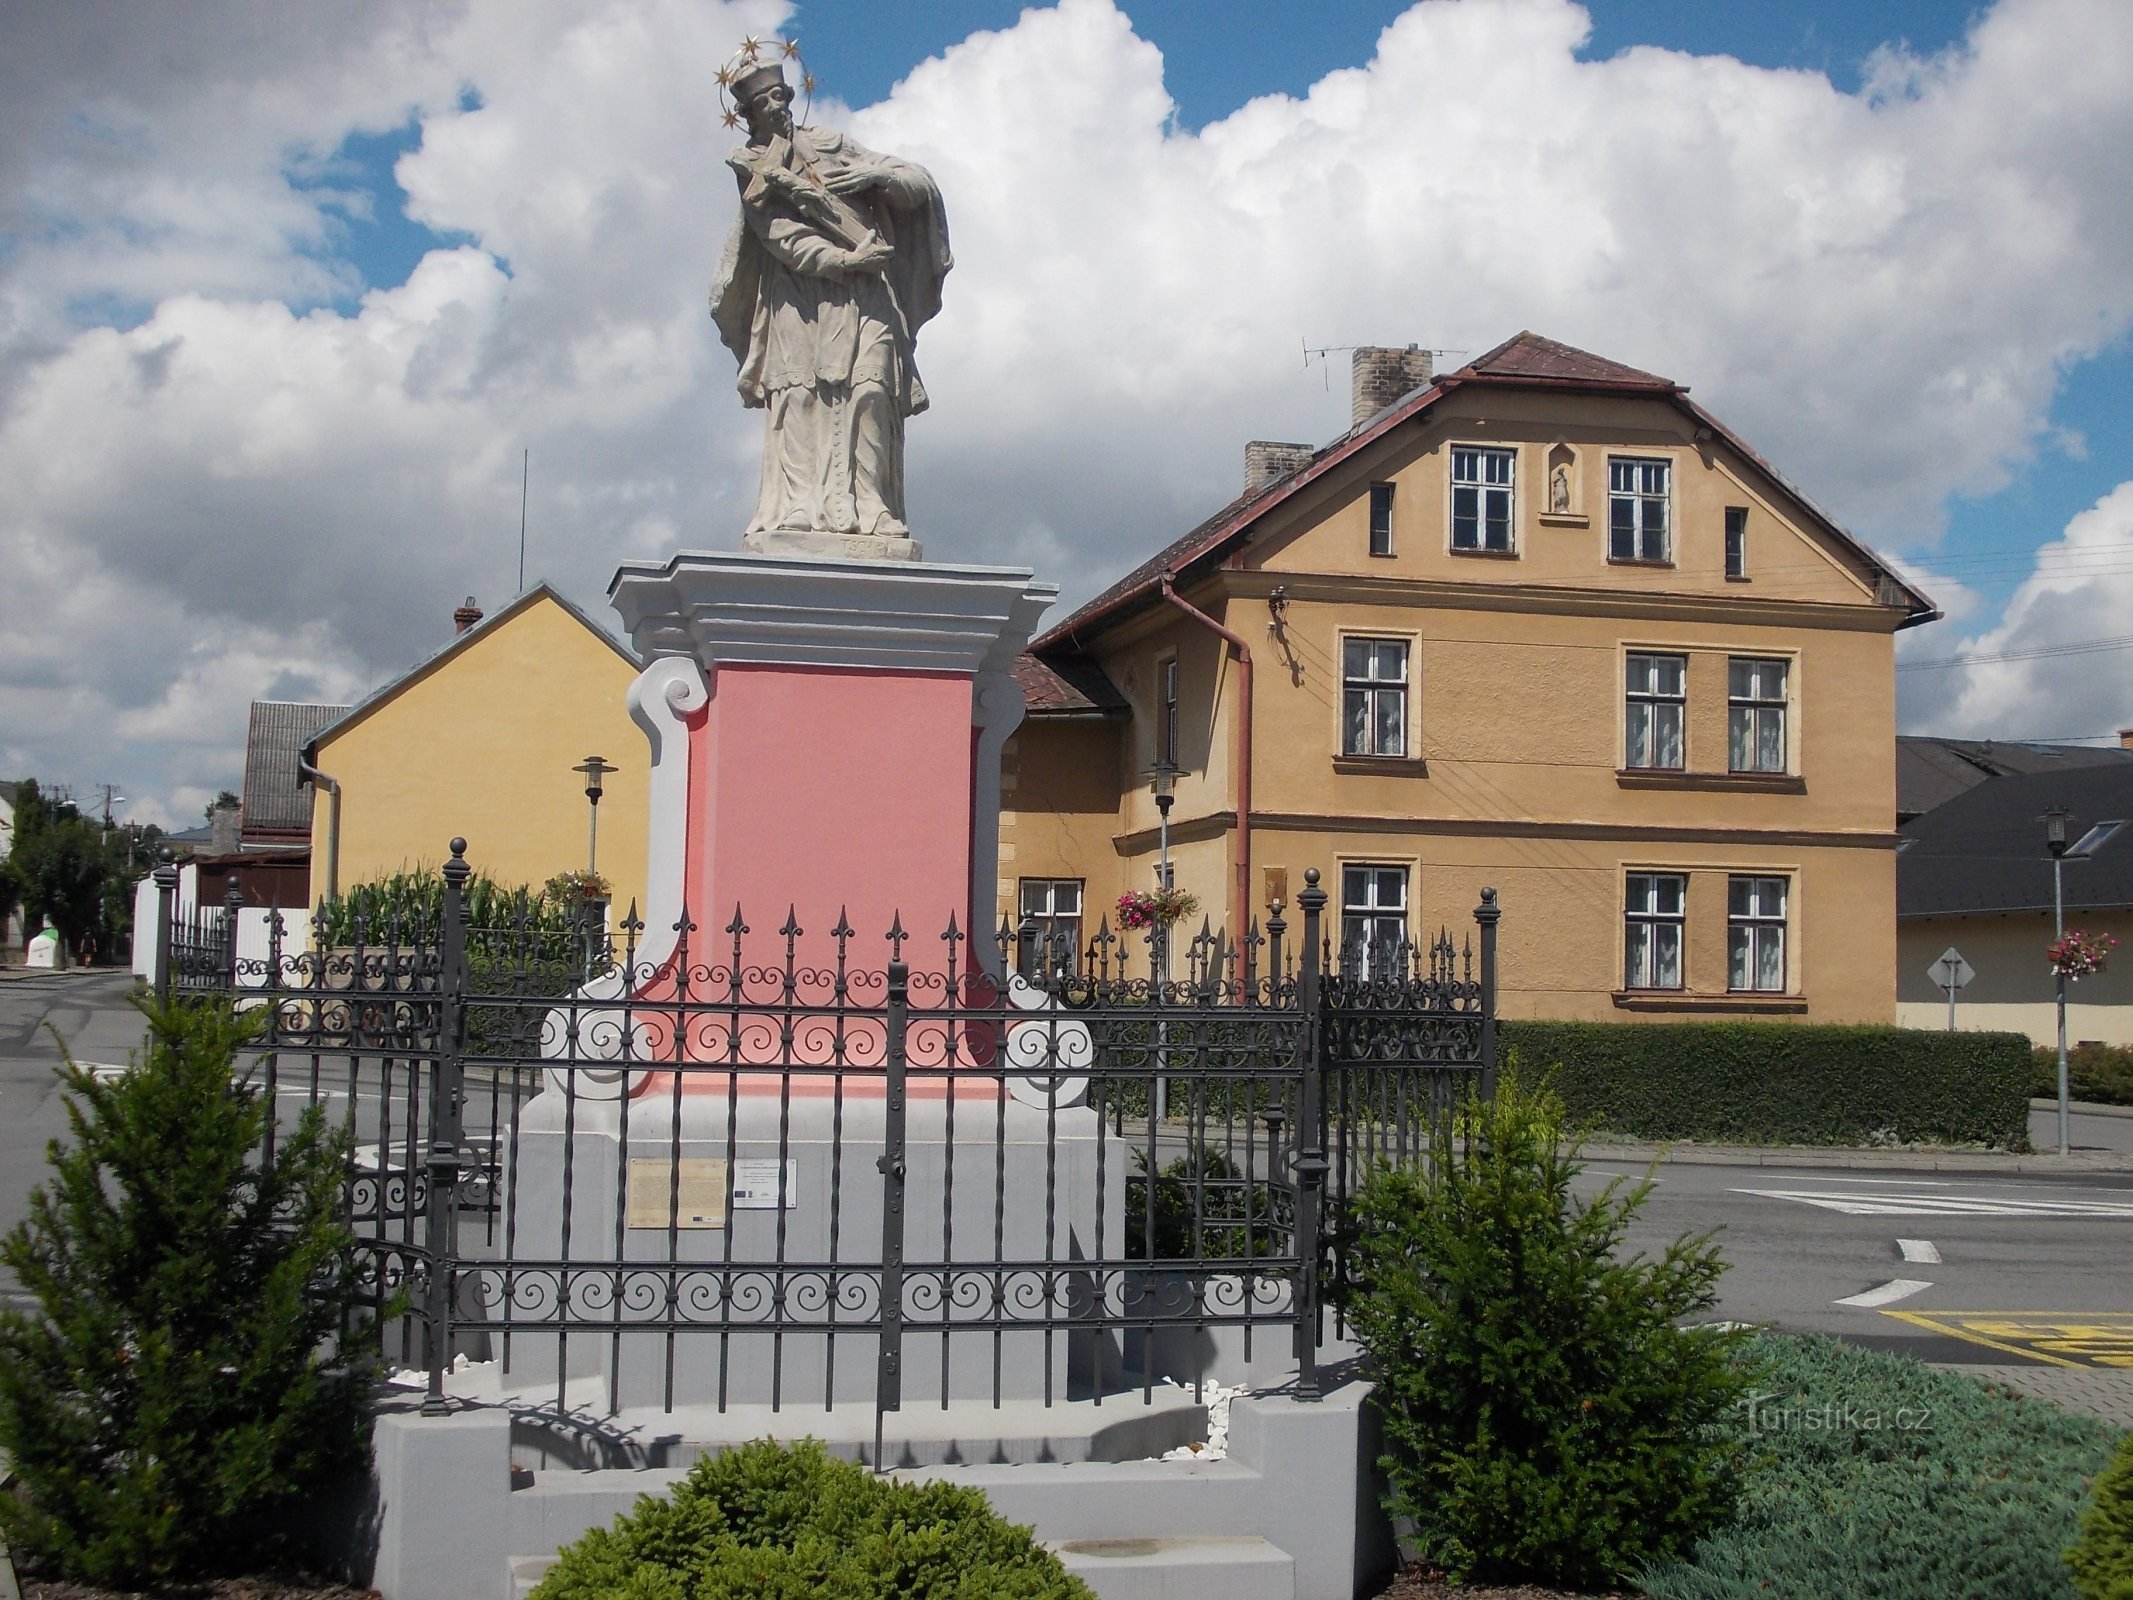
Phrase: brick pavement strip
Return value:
(2093, 1391)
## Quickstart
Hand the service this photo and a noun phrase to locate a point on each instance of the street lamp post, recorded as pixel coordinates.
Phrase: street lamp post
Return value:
(594, 768)
(2055, 841)
(1163, 783)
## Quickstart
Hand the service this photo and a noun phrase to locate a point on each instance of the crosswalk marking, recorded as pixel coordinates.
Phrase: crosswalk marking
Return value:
(1945, 1205)
(1922, 1251)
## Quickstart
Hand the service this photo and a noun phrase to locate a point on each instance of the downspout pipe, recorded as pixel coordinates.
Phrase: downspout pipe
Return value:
(332, 786)
(1241, 843)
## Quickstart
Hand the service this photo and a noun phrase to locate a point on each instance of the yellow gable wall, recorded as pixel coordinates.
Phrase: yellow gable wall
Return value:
(1569, 550)
(480, 745)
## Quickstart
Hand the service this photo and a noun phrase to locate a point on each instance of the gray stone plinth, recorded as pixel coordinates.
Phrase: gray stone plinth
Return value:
(998, 1185)
(844, 546)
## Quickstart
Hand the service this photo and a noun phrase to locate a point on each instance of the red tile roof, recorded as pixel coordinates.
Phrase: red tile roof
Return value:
(1071, 687)
(1528, 361)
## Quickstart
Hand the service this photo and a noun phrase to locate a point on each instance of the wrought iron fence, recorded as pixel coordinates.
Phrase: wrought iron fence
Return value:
(732, 1168)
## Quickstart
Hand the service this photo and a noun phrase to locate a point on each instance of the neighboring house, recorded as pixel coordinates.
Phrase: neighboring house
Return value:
(479, 741)
(1974, 876)
(1930, 772)
(7, 818)
(1542, 623)
(276, 810)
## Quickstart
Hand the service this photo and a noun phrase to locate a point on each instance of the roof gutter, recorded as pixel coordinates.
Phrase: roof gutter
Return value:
(1241, 842)
(310, 774)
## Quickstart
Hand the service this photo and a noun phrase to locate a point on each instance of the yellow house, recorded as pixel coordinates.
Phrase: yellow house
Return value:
(480, 741)
(1542, 623)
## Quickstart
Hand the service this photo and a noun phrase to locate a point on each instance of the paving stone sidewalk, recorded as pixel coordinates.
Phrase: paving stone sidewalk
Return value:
(2105, 1392)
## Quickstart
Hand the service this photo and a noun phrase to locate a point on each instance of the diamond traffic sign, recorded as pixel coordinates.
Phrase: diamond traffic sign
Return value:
(1951, 971)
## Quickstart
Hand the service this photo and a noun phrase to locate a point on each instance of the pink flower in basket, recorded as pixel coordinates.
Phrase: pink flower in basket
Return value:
(2079, 954)
(1147, 908)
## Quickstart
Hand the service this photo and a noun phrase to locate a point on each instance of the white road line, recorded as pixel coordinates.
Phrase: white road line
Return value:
(1889, 1293)
(1919, 1250)
(1945, 1205)
(1901, 1182)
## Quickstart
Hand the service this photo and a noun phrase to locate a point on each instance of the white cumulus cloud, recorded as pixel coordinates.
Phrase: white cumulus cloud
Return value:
(221, 462)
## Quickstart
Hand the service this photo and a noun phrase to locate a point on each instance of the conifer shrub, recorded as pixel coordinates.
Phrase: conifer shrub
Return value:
(1548, 1418)
(196, 1366)
(2101, 1560)
(770, 1521)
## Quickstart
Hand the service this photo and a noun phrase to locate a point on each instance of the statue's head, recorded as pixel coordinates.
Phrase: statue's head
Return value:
(764, 97)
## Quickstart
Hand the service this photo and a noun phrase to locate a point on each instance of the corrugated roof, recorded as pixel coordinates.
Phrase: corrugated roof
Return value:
(1527, 360)
(1983, 851)
(273, 799)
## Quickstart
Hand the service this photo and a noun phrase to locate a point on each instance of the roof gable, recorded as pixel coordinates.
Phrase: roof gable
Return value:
(274, 798)
(1527, 360)
(486, 628)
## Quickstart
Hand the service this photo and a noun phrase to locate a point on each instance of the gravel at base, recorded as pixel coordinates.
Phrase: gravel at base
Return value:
(215, 1589)
(1416, 1585)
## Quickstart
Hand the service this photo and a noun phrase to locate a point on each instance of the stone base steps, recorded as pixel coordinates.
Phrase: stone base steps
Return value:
(1240, 1567)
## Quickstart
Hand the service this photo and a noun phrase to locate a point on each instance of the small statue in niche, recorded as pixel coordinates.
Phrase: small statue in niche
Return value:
(1559, 488)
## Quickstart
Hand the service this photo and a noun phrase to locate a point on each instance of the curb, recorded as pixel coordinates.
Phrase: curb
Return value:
(1980, 1161)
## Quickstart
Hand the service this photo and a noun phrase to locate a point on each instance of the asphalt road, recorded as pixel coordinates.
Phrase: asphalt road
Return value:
(1957, 1267)
(1998, 1267)
(90, 1013)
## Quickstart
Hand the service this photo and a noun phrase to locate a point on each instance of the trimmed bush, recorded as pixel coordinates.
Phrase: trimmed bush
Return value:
(790, 1522)
(2101, 1074)
(1876, 1477)
(2102, 1559)
(1549, 1419)
(1781, 1083)
(191, 1376)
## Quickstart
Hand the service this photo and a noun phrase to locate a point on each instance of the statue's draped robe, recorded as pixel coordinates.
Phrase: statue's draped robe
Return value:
(828, 353)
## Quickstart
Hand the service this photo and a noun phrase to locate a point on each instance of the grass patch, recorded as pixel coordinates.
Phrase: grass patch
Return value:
(1878, 1478)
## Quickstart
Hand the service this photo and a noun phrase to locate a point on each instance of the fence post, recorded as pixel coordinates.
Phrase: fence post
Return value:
(889, 1374)
(232, 903)
(1310, 1144)
(166, 876)
(442, 1165)
(1488, 914)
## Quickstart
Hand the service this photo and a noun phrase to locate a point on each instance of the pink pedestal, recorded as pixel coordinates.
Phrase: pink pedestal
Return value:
(826, 741)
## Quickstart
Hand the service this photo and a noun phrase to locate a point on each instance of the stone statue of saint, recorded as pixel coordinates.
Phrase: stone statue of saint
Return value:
(833, 266)
(1559, 488)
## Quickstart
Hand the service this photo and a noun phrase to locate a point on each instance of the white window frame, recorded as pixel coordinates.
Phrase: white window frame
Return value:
(1371, 689)
(1488, 493)
(1382, 495)
(1753, 928)
(1647, 920)
(1736, 542)
(1641, 499)
(1371, 922)
(1753, 710)
(1636, 694)
(1049, 917)
(1167, 696)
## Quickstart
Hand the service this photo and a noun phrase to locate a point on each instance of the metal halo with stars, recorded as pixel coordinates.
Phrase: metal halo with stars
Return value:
(755, 52)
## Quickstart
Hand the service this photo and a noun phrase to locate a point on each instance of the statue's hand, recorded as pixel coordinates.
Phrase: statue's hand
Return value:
(850, 180)
(871, 255)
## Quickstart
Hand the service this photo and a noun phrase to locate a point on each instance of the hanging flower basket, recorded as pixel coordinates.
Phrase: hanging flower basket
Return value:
(2079, 954)
(1152, 908)
(568, 886)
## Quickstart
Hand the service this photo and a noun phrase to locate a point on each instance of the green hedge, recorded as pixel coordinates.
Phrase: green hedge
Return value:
(2101, 1074)
(1781, 1083)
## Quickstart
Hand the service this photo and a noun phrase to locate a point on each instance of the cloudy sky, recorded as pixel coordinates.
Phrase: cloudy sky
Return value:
(287, 289)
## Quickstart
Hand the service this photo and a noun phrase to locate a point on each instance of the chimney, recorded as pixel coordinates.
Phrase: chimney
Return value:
(466, 616)
(225, 831)
(1265, 460)
(1382, 375)
(2125, 738)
